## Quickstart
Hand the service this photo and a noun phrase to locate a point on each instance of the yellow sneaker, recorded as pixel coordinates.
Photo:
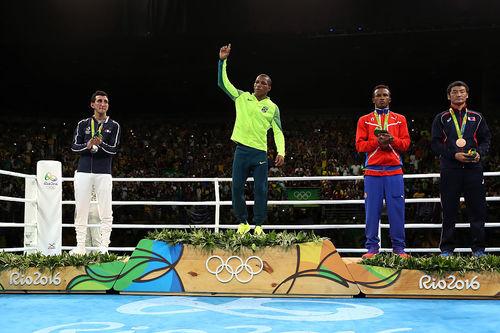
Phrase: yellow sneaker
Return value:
(243, 228)
(258, 231)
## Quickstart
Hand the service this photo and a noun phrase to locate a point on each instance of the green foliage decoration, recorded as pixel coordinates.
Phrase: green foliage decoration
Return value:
(230, 240)
(438, 265)
(43, 262)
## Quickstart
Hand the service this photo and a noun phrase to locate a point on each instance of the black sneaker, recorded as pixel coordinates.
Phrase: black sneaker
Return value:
(478, 253)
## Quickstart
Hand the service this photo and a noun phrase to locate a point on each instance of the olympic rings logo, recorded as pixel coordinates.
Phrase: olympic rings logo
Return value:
(302, 195)
(234, 272)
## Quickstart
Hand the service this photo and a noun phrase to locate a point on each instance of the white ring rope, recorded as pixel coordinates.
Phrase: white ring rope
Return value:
(217, 203)
(198, 180)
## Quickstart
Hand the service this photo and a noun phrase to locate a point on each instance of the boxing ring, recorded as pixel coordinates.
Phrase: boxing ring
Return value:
(30, 204)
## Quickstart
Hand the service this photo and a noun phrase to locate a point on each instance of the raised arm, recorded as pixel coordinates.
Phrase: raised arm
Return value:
(222, 79)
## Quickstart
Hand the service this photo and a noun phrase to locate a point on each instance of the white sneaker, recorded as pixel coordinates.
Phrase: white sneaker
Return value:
(79, 251)
(103, 249)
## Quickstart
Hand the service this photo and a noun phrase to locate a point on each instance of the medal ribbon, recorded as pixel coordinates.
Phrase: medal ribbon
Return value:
(460, 130)
(379, 122)
(92, 129)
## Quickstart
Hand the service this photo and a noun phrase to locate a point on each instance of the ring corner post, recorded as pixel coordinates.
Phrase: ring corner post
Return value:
(49, 207)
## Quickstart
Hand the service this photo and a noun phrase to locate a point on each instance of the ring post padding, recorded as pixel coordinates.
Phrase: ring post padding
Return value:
(49, 203)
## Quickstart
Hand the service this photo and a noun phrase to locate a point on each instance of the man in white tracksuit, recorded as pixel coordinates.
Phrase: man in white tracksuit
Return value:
(96, 139)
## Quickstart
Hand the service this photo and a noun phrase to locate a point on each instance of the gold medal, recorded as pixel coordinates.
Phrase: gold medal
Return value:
(381, 127)
(460, 142)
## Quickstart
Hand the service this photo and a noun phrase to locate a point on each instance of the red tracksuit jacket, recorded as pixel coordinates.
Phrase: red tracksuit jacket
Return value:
(376, 158)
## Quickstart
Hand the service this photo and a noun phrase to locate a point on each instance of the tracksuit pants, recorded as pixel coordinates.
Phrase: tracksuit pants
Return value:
(83, 192)
(453, 183)
(250, 162)
(392, 189)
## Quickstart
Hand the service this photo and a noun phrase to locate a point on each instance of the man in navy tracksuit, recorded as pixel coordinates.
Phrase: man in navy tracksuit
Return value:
(96, 139)
(461, 138)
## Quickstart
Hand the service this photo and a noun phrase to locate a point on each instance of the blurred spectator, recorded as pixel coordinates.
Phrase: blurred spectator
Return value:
(323, 146)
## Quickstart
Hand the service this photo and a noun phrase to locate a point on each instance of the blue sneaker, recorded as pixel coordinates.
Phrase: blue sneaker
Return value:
(478, 253)
(446, 254)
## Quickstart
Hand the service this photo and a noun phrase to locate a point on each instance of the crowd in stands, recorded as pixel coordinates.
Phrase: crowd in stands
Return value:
(181, 148)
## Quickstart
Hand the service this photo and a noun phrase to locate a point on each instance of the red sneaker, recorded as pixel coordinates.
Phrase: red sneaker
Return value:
(369, 255)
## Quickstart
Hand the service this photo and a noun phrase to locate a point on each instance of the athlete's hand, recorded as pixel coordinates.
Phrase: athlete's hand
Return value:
(90, 143)
(279, 161)
(466, 158)
(95, 141)
(224, 51)
(462, 157)
(384, 140)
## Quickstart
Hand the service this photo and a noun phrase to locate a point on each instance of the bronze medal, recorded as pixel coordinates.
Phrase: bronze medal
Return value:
(460, 142)
(460, 130)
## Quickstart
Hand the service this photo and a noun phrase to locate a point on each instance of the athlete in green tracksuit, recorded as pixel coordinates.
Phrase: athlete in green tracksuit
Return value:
(255, 115)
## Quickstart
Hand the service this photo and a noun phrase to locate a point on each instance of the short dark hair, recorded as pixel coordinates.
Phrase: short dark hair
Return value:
(457, 84)
(268, 78)
(381, 86)
(98, 93)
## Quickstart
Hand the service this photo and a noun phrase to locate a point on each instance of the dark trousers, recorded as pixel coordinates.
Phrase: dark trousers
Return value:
(250, 162)
(470, 182)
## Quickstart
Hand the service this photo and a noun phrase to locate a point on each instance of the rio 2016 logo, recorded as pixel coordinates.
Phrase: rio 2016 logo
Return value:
(451, 282)
(18, 279)
(50, 179)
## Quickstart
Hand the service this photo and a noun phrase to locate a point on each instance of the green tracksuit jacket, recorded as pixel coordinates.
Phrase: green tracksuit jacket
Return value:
(253, 117)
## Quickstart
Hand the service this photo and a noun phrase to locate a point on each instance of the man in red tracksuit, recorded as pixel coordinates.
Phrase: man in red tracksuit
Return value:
(383, 136)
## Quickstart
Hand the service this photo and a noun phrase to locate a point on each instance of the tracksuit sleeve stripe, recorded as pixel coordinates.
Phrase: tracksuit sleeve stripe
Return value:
(112, 147)
(78, 141)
